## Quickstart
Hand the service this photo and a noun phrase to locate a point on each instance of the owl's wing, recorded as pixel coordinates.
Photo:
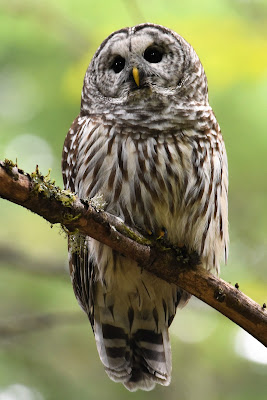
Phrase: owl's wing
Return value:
(82, 274)
(69, 154)
(81, 268)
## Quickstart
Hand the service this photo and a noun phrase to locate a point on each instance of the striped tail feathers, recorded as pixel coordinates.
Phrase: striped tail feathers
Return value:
(131, 331)
(130, 320)
(151, 360)
(114, 351)
(138, 360)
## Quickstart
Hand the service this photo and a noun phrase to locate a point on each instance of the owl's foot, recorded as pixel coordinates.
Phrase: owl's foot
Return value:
(159, 234)
(162, 234)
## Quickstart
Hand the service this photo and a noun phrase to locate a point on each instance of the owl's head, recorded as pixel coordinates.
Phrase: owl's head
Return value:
(146, 64)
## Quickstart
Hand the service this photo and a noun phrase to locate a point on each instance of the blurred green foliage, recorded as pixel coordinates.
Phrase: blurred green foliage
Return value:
(45, 49)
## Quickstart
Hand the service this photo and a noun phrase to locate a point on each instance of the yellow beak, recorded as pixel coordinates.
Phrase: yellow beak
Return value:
(136, 75)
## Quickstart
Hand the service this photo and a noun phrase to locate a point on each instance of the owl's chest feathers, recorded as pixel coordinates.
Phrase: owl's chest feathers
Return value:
(176, 180)
(151, 181)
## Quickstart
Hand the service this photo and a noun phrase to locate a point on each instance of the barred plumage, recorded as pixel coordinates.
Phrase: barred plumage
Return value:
(154, 151)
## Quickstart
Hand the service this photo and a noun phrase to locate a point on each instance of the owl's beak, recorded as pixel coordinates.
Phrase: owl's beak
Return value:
(136, 76)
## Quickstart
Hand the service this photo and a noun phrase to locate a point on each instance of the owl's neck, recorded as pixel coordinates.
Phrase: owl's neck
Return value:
(163, 118)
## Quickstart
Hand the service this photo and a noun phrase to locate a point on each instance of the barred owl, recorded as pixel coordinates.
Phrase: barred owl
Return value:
(147, 141)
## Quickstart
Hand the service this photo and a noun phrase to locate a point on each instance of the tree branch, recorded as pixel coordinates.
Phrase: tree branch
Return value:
(38, 194)
(11, 257)
(30, 323)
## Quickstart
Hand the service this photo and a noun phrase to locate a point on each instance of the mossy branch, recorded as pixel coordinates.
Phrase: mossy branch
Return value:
(175, 265)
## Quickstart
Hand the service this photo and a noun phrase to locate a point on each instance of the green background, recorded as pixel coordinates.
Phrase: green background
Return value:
(46, 343)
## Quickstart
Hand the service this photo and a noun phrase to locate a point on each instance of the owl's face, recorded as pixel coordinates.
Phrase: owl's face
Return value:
(142, 64)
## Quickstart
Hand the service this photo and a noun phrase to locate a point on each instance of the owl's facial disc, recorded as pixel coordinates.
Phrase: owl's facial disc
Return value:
(147, 64)
(144, 63)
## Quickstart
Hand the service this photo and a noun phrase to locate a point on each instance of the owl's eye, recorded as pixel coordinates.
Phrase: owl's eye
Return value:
(118, 64)
(153, 55)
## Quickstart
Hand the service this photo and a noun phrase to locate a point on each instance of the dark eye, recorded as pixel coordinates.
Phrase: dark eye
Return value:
(118, 64)
(153, 55)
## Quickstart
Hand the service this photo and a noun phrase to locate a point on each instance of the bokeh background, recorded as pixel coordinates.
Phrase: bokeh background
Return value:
(47, 350)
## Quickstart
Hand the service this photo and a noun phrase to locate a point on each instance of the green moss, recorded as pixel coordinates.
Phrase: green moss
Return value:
(70, 217)
(47, 188)
(77, 242)
(134, 236)
(8, 166)
(66, 197)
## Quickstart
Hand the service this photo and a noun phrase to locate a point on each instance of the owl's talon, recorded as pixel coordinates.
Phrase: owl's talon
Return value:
(162, 234)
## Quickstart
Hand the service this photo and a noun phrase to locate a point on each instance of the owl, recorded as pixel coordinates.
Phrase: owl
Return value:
(147, 143)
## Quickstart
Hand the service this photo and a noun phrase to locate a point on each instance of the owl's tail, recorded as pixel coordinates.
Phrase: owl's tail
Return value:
(132, 312)
(139, 359)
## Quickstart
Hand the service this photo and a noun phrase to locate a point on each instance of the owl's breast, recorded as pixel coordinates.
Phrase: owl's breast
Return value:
(152, 182)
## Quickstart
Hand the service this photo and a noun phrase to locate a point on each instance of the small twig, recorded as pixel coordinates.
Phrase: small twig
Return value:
(38, 194)
(14, 258)
(31, 323)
